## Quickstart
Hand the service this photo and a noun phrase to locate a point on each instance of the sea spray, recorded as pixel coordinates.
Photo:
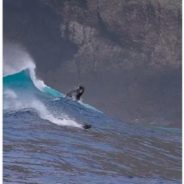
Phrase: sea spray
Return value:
(16, 59)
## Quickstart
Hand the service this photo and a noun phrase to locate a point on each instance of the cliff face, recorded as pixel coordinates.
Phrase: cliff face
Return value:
(126, 52)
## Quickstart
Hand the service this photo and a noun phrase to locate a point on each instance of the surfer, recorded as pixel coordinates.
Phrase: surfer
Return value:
(76, 93)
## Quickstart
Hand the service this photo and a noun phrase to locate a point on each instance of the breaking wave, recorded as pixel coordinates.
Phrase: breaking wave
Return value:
(23, 90)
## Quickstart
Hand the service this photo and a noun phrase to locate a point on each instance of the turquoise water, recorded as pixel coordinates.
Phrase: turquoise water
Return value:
(18, 80)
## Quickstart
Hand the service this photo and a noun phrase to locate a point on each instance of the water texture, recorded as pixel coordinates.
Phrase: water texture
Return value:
(44, 141)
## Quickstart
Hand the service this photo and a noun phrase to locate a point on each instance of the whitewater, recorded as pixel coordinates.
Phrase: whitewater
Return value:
(44, 140)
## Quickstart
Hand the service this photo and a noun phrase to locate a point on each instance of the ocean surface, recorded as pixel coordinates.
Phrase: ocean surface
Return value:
(44, 141)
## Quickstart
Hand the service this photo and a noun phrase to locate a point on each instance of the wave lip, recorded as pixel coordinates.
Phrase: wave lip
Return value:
(26, 80)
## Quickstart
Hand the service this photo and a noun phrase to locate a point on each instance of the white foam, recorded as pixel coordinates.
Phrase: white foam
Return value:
(37, 82)
(46, 115)
(10, 94)
(11, 101)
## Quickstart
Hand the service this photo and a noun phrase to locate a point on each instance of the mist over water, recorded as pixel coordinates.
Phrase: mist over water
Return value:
(15, 59)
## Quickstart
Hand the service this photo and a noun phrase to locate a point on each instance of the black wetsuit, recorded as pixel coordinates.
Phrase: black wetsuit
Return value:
(77, 93)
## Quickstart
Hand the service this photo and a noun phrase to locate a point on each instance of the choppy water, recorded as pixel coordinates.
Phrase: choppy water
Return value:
(44, 141)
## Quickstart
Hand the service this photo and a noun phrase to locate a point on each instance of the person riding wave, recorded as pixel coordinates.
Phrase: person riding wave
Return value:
(76, 93)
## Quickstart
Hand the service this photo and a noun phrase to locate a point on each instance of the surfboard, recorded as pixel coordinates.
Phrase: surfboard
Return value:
(87, 126)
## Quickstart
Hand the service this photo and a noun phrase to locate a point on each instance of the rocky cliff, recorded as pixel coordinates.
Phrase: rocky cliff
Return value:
(126, 52)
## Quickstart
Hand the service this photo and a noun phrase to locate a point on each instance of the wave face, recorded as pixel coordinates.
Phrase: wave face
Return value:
(44, 141)
(23, 91)
(27, 82)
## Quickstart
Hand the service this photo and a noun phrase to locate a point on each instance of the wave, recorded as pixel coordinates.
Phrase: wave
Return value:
(23, 90)
(26, 81)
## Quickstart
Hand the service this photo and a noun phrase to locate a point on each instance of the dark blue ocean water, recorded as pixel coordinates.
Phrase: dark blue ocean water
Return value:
(44, 142)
